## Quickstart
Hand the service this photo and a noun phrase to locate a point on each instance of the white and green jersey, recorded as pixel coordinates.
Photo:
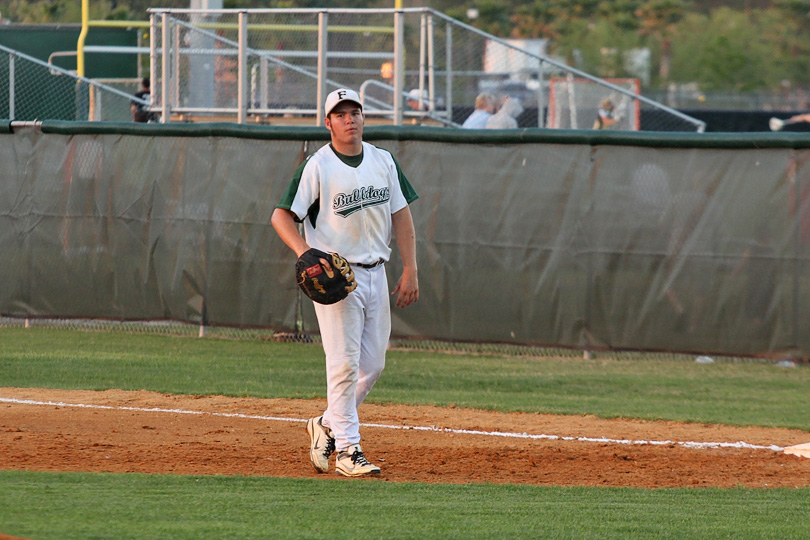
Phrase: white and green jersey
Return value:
(346, 202)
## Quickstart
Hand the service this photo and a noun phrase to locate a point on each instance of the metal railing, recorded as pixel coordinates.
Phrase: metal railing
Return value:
(31, 89)
(262, 63)
(277, 65)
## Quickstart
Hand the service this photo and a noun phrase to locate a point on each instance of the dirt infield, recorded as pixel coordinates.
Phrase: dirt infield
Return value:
(118, 431)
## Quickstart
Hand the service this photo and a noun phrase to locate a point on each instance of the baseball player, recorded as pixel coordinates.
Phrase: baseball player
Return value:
(350, 196)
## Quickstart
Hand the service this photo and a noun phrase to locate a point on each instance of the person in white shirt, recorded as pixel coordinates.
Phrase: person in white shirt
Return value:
(484, 108)
(506, 117)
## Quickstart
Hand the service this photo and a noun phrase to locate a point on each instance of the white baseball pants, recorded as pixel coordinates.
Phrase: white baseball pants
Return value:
(355, 334)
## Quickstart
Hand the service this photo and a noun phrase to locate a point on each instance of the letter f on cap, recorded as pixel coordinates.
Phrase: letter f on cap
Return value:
(338, 96)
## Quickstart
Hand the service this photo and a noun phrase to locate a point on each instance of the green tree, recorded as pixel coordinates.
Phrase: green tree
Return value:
(720, 44)
(658, 19)
(725, 50)
(607, 47)
(792, 33)
(43, 11)
(593, 35)
(493, 17)
(64, 11)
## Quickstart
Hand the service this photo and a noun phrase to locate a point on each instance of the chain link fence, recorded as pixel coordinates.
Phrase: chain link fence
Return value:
(410, 66)
(187, 330)
(690, 97)
(31, 89)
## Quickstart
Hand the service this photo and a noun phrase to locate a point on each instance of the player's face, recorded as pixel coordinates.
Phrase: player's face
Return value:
(346, 123)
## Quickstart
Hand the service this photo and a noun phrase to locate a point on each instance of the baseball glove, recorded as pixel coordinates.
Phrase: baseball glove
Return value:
(324, 285)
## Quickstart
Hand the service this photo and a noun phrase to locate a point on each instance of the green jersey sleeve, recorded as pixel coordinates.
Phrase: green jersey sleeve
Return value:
(407, 189)
(289, 196)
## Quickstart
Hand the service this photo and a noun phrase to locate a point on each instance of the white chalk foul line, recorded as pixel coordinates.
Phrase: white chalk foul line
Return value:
(685, 444)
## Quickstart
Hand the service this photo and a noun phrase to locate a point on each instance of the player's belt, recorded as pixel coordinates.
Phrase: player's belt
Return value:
(372, 265)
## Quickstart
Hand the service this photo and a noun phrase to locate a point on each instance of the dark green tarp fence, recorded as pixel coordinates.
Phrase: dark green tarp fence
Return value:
(640, 241)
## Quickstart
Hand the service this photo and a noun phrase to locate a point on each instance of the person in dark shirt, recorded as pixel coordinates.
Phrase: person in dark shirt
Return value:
(140, 113)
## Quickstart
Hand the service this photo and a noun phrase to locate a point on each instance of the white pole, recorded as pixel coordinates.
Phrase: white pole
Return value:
(242, 72)
(176, 66)
(431, 67)
(448, 99)
(399, 65)
(263, 85)
(422, 59)
(166, 70)
(11, 89)
(572, 103)
(323, 33)
(99, 112)
(541, 96)
(153, 56)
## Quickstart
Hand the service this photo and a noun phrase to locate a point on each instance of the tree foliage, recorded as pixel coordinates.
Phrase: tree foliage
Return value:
(721, 44)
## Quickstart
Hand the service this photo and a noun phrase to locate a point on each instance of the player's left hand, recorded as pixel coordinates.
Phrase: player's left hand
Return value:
(407, 289)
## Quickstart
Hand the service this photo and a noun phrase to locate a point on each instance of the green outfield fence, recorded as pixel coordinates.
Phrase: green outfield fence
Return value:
(578, 240)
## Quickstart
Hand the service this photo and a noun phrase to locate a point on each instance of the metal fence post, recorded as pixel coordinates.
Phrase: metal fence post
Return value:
(242, 71)
(399, 64)
(422, 59)
(165, 94)
(448, 99)
(796, 181)
(95, 113)
(153, 56)
(541, 95)
(263, 84)
(323, 34)
(175, 32)
(431, 65)
(11, 89)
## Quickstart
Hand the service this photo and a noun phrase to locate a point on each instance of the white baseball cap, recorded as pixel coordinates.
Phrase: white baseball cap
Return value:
(339, 96)
(414, 94)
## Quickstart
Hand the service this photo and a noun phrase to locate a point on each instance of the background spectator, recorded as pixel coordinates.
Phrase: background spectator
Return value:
(484, 109)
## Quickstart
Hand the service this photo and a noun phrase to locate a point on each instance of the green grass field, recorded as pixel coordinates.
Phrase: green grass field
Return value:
(122, 506)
